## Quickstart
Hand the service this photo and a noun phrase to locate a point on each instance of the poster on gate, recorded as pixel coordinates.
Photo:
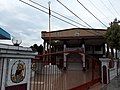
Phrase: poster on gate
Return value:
(17, 72)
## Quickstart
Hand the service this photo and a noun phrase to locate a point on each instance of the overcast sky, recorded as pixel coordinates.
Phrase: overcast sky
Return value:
(26, 22)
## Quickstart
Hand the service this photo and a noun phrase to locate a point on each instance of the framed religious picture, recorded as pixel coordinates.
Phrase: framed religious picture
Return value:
(18, 71)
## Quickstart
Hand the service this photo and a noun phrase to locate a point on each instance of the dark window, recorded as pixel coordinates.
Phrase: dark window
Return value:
(98, 48)
(88, 48)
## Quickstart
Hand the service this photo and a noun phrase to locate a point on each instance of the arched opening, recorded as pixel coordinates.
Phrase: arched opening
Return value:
(104, 74)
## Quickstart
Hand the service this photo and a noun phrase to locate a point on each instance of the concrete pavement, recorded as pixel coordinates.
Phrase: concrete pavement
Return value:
(113, 85)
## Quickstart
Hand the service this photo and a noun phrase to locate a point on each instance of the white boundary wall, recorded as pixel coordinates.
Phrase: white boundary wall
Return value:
(9, 54)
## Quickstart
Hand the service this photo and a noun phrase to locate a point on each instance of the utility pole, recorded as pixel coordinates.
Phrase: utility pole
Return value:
(49, 32)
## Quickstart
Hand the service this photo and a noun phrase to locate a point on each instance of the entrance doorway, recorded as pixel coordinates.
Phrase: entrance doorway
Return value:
(74, 61)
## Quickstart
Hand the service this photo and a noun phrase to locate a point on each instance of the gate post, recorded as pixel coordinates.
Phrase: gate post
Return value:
(105, 75)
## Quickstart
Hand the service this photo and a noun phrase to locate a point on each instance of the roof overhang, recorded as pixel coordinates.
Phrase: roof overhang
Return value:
(74, 33)
(4, 35)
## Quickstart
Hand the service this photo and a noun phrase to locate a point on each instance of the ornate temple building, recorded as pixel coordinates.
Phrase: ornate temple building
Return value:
(88, 42)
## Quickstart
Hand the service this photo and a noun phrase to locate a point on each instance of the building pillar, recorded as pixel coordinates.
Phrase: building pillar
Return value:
(44, 46)
(47, 56)
(65, 59)
(29, 76)
(1, 70)
(83, 46)
(44, 49)
(107, 54)
(83, 59)
(4, 73)
(84, 62)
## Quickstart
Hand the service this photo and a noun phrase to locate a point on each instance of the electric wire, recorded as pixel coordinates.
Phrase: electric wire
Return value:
(48, 13)
(114, 8)
(57, 13)
(99, 10)
(74, 13)
(107, 8)
(57, 17)
(92, 13)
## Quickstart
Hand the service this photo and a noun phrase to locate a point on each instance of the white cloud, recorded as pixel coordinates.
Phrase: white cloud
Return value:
(4, 5)
(20, 19)
(23, 17)
(3, 24)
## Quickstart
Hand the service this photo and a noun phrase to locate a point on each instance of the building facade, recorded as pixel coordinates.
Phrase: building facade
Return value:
(88, 42)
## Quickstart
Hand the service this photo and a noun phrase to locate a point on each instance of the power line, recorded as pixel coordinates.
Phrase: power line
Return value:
(91, 13)
(113, 7)
(99, 10)
(48, 13)
(57, 13)
(108, 8)
(74, 13)
(54, 16)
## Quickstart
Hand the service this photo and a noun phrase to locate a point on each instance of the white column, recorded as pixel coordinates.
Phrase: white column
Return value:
(29, 74)
(1, 70)
(65, 57)
(83, 60)
(65, 60)
(83, 46)
(4, 73)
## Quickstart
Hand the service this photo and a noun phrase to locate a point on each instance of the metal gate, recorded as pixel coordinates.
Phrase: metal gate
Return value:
(96, 69)
(49, 74)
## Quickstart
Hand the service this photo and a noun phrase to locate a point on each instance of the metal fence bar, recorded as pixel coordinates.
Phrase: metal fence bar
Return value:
(49, 75)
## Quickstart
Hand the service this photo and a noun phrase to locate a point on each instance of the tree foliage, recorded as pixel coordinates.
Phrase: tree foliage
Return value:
(37, 48)
(113, 35)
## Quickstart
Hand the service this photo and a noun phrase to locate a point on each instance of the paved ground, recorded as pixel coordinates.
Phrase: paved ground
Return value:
(97, 86)
(113, 85)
